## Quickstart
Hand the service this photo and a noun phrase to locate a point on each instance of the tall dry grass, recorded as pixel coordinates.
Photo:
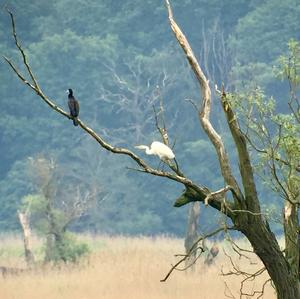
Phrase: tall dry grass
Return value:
(122, 268)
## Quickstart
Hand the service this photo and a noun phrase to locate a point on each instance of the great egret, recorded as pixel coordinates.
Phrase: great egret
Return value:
(159, 149)
(73, 106)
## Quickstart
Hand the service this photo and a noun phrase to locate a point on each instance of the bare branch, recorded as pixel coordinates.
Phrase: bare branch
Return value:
(227, 289)
(21, 50)
(97, 137)
(219, 203)
(192, 249)
(248, 277)
(204, 113)
(21, 77)
(178, 176)
(219, 192)
(160, 118)
(36, 89)
(193, 103)
(241, 252)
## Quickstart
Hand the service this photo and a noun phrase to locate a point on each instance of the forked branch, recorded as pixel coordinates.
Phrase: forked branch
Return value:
(248, 277)
(243, 155)
(204, 113)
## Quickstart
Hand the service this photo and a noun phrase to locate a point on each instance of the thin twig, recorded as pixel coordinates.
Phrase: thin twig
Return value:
(191, 250)
(21, 50)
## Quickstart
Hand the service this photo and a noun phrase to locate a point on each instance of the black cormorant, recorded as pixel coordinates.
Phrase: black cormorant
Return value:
(73, 106)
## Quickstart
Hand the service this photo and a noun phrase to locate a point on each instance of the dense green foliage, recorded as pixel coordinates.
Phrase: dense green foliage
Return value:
(114, 54)
(275, 134)
(68, 250)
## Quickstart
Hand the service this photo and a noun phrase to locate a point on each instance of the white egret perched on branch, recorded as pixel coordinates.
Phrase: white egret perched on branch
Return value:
(159, 149)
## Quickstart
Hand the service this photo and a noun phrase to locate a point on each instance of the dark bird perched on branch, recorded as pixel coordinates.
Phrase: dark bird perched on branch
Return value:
(73, 106)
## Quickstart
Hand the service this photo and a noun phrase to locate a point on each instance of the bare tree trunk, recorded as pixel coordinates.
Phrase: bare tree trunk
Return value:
(24, 220)
(192, 234)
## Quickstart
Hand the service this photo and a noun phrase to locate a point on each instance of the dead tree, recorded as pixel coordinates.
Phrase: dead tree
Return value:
(242, 208)
(24, 220)
(61, 205)
(191, 235)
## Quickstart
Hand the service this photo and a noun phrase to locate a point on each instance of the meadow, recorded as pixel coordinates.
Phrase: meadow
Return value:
(126, 268)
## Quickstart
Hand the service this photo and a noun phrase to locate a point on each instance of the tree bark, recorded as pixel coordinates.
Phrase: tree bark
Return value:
(266, 247)
(291, 233)
(246, 213)
(29, 257)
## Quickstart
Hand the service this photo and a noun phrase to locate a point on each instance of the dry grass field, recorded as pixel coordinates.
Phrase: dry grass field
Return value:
(123, 268)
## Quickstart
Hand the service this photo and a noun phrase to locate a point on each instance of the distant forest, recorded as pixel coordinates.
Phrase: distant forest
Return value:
(121, 59)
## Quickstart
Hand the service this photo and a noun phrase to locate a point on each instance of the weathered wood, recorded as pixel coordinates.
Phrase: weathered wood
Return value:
(24, 220)
(249, 220)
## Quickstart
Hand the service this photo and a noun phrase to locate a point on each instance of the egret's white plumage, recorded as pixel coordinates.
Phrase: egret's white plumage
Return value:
(159, 149)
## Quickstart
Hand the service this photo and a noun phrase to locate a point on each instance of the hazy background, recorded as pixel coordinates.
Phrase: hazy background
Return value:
(120, 58)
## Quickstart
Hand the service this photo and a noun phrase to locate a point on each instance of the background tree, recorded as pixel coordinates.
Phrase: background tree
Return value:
(254, 52)
(54, 207)
(243, 207)
(192, 235)
(24, 221)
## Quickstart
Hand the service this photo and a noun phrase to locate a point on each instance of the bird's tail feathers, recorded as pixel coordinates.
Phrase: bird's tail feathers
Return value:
(142, 147)
(75, 121)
